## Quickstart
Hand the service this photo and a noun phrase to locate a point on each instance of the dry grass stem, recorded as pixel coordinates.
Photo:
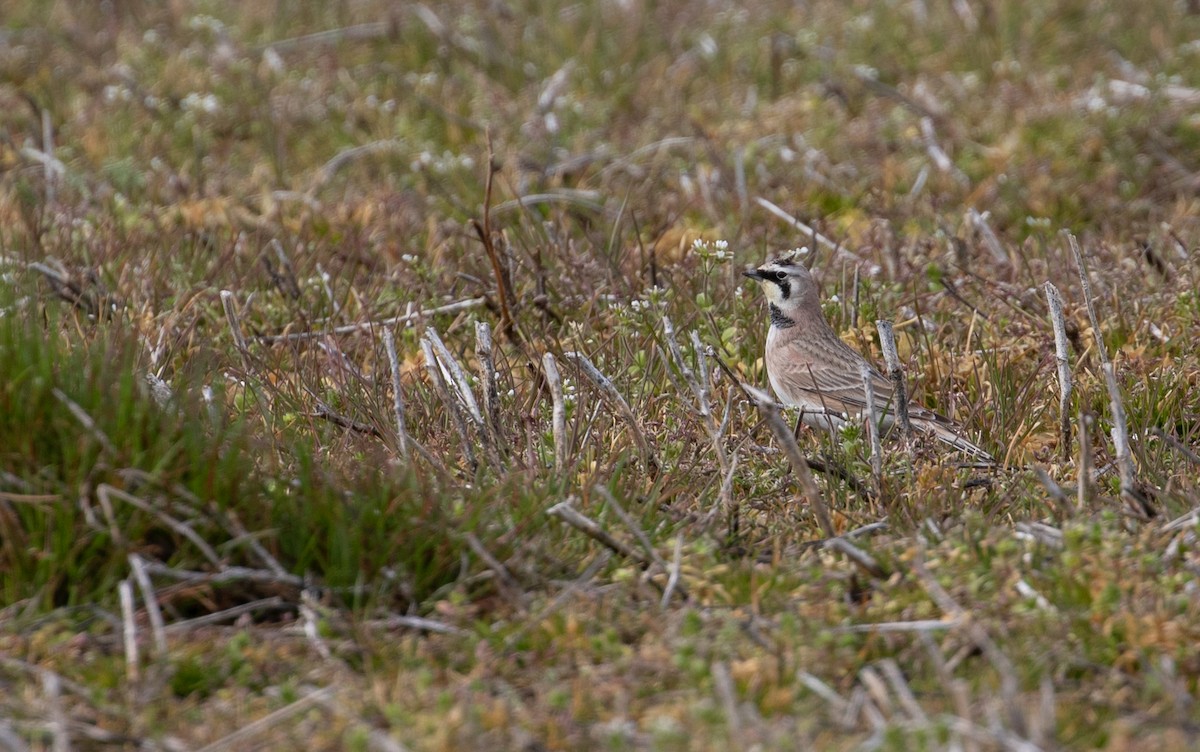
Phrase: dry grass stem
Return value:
(787, 442)
(129, 630)
(229, 304)
(558, 412)
(1062, 358)
(487, 374)
(240, 738)
(453, 404)
(508, 584)
(891, 358)
(1120, 436)
(979, 222)
(389, 344)
(370, 326)
(153, 612)
(85, 420)
(1086, 285)
(617, 403)
(817, 237)
(872, 420)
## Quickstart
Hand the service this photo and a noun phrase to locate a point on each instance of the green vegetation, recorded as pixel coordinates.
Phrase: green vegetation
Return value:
(213, 530)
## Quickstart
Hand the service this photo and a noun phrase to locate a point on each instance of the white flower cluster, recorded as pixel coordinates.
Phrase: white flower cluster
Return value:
(718, 250)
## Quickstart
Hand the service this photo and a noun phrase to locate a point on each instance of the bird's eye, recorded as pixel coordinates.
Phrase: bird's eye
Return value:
(778, 276)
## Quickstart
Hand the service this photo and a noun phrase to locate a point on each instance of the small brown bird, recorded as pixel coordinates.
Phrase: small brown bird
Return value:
(810, 367)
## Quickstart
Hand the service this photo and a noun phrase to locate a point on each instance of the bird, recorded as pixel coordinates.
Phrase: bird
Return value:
(810, 367)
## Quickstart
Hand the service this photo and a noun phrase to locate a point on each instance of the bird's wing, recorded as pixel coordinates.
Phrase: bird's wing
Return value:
(830, 375)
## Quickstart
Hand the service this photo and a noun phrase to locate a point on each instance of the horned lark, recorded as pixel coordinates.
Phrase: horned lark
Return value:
(811, 368)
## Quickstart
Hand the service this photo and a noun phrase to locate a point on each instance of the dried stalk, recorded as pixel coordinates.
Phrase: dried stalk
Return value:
(792, 221)
(153, 612)
(1081, 265)
(872, 425)
(701, 389)
(1062, 358)
(1120, 436)
(487, 372)
(861, 558)
(783, 435)
(990, 241)
(229, 303)
(367, 326)
(634, 528)
(570, 515)
(452, 404)
(887, 341)
(389, 344)
(456, 377)
(616, 402)
(129, 629)
(559, 412)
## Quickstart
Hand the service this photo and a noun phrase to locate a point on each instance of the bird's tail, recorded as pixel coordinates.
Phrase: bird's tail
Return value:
(948, 435)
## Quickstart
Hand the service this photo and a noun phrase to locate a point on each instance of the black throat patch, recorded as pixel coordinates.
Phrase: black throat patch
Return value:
(778, 320)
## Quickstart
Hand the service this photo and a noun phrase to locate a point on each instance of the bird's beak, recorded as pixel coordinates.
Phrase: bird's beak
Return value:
(753, 274)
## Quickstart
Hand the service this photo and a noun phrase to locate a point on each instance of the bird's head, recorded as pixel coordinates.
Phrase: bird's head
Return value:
(786, 283)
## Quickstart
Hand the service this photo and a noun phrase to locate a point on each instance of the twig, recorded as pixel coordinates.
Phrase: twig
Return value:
(558, 410)
(891, 358)
(1009, 684)
(309, 625)
(1081, 265)
(919, 625)
(228, 574)
(359, 32)
(789, 219)
(325, 412)
(415, 622)
(564, 511)
(129, 629)
(507, 582)
(238, 739)
(367, 326)
(1062, 357)
(346, 156)
(229, 303)
(980, 223)
(872, 425)
(484, 230)
(389, 344)
(157, 629)
(452, 404)
(630, 523)
(1120, 436)
(85, 420)
(1177, 445)
(487, 372)
(216, 617)
(787, 442)
(861, 558)
(456, 378)
(104, 491)
(609, 392)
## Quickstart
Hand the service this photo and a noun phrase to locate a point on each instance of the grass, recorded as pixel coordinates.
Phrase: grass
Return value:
(293, 577)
